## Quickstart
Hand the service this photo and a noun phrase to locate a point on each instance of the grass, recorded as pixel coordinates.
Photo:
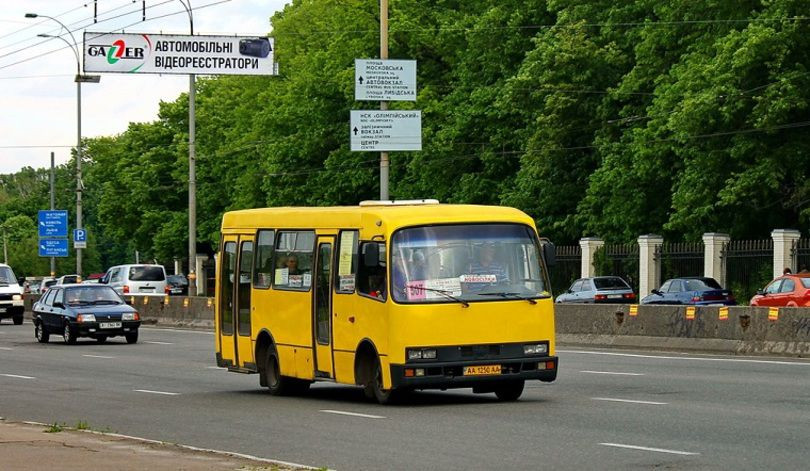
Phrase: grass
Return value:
(54, 428)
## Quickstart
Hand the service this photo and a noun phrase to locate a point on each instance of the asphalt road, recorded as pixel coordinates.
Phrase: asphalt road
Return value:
(607, 409)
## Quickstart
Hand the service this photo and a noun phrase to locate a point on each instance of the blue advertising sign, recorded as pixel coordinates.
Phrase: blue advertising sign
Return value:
(53, 247)
(53, 223)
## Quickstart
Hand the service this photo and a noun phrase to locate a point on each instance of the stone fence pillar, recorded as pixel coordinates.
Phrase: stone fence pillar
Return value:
(649, 266)
(713, 263)
(201, 274)
(589, 246)
(783, 254)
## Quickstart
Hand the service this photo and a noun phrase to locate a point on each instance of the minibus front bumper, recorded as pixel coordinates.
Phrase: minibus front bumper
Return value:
(472, 373)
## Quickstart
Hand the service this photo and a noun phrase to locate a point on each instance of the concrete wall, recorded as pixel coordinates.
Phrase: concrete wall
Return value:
(747, 330)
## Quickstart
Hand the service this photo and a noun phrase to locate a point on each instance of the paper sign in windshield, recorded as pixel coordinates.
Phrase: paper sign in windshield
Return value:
(421, 290)
(479, 278)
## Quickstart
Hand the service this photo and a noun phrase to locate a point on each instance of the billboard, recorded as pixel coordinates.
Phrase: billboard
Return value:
(178, 54)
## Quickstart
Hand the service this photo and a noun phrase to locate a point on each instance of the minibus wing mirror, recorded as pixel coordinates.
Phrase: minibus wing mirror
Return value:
(550, 253)
(371, 255)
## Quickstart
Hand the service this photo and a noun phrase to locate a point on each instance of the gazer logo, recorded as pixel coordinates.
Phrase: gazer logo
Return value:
(120, 50)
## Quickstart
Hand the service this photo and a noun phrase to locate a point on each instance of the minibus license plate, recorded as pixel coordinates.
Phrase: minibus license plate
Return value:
(482, 370)
(110, 325)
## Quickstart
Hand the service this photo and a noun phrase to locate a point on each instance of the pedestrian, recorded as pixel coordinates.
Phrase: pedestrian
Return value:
(787, 271)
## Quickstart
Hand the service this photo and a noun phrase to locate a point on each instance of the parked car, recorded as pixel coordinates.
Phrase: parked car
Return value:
(137, 279)
(11, 300)
(178, 284)
(693, 290)
(787, 290)
(599, 289)
(74, 311)
(33, 286)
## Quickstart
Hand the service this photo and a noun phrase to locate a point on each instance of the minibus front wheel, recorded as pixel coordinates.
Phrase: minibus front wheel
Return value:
(509, 390)
(374, 388)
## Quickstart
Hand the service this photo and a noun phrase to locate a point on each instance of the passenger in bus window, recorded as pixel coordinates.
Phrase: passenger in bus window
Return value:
(487, 264)
(292, 264)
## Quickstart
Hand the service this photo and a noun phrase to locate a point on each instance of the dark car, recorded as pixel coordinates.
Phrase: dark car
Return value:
(695, 291)
(177, 285)
(599, 289)
(74, 311)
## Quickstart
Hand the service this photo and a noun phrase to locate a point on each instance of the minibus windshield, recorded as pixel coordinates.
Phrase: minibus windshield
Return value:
(470, 262)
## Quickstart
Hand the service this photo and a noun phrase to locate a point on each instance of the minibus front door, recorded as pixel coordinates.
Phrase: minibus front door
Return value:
(225, 306)
(322, 309)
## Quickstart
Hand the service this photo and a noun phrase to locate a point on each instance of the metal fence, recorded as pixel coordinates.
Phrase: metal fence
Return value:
(680, 259)
(567, 269)
(801, 255)
(618, 260)
(749, 267)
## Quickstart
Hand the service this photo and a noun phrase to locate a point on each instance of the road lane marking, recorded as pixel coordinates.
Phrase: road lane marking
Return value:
(611, 373)
(158, 343)
(645, 448)
(149, 391)
(6, 348)
(353, 414)
(98, 356)
(663, 357)
(214, 367)
(187, 331)
(613, 399)
(17, 376)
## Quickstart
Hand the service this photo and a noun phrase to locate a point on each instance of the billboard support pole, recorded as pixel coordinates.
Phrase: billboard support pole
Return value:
(53, 206)
(384, 162)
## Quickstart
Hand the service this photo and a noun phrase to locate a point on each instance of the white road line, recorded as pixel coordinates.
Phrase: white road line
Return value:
(644, 448)
(611, 373)
(17, 376)
(663, 357)
(6, 348)
(158, 343)
(353, 414)
(187, 331)
(98, 356)
(613, 399)
(157, 392)
(214, 367)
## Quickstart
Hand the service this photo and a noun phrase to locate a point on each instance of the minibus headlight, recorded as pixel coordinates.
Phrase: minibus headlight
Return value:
(421, 354)
(535, 349)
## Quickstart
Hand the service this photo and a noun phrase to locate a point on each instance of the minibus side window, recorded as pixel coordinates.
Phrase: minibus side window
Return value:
(293, 260)
(371, 279)
(264, 259)
(347, 262)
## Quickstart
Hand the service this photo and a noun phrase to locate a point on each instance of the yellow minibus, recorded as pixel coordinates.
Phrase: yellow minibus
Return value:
(390, 296)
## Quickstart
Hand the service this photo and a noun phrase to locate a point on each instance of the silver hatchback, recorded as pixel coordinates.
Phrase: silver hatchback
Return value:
(138, 280)
(599, 289)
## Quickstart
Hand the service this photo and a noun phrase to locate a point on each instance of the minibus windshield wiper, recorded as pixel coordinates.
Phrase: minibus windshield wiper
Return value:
(509, 295)
(443, 293)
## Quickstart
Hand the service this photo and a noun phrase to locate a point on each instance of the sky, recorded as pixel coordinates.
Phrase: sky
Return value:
(38, 94)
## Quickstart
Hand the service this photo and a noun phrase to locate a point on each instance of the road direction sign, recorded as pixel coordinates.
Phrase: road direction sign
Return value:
(53, 247)
(384, 80)
(53, 223)
(79, 238)
(382, 131)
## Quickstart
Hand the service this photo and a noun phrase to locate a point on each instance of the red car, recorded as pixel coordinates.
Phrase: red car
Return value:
(787, 290)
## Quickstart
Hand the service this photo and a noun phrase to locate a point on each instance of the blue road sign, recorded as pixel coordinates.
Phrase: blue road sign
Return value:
(53, 223)
(79, 235)
(53, 247)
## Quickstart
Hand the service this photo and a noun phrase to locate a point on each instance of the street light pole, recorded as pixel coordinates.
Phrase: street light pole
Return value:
(192, 169)
(79, 79)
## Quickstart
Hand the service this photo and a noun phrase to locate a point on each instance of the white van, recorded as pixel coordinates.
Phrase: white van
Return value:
(137, 279)
(11, 300)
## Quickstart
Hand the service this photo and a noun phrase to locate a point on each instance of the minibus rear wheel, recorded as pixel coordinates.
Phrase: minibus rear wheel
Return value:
(277, 384)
